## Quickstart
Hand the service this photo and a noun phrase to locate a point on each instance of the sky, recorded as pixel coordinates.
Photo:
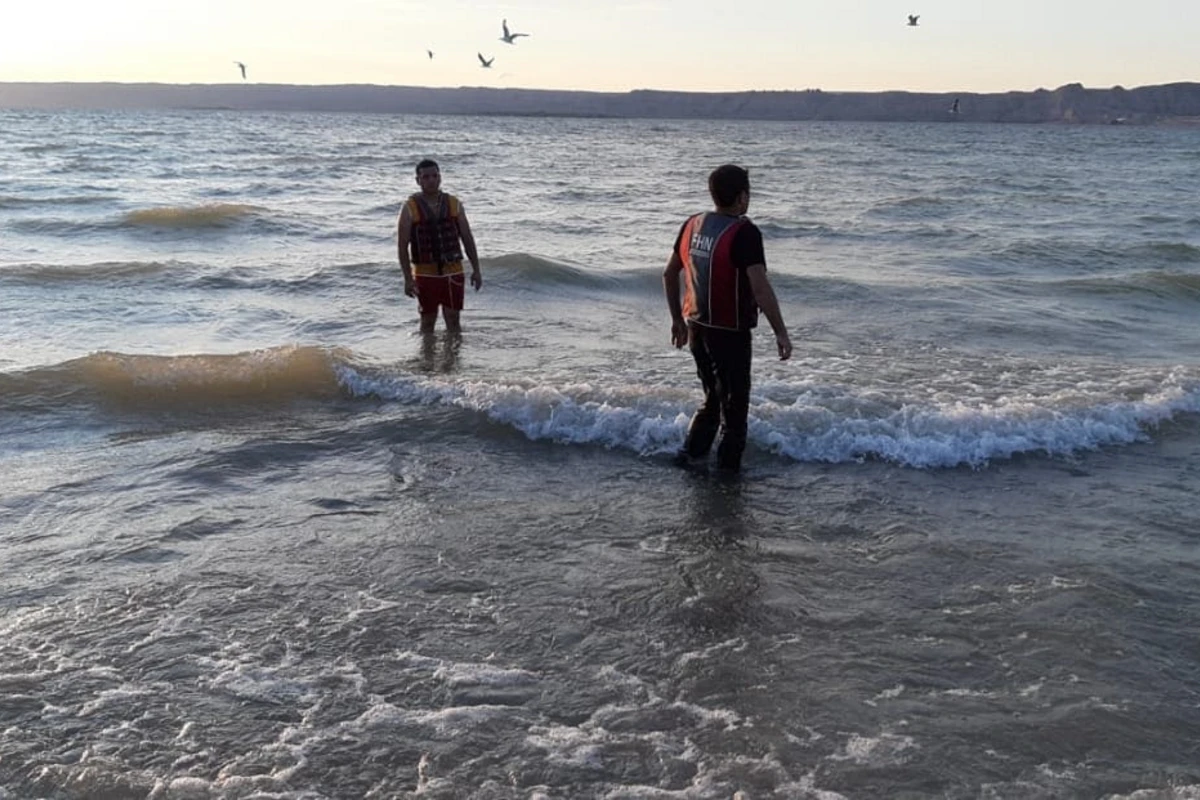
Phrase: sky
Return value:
(615, 45)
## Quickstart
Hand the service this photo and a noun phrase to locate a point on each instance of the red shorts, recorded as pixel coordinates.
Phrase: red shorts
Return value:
(440, 290)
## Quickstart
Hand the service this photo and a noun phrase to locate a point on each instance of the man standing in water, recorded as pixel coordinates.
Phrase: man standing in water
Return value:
(432, 223)
(720, 255)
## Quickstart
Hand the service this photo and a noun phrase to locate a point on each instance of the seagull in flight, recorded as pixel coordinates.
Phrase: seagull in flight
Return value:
(242, 67)
(508, 38)
(912, 20)
(485, 62)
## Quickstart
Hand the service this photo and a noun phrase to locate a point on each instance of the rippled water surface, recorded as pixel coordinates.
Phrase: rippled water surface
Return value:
(262, 539)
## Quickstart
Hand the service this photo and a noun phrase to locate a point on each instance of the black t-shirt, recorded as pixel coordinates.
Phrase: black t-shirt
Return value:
(747, 248)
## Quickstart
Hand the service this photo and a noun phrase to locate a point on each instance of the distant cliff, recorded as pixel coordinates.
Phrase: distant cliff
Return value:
(1179, 102)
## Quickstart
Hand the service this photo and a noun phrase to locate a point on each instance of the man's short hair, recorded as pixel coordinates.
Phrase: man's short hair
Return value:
(426, 164)
(726, 182)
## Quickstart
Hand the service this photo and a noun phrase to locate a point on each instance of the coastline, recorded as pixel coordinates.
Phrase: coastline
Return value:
(1174, 103)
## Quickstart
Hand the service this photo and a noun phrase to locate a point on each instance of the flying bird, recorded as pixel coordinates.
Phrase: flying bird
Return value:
(912, 20)
(507, 38)
(485, 62)
(430, 53)
(242, 67)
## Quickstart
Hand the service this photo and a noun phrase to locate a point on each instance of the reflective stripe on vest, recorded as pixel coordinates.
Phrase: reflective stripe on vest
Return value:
(433, 240)
(711, 284)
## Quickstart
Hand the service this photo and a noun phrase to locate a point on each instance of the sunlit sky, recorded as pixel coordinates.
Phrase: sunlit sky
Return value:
(703, 45)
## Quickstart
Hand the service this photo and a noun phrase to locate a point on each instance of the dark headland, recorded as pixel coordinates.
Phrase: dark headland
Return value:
(1073, 103)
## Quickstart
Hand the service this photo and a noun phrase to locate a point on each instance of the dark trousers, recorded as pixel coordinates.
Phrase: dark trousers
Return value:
(723, 363)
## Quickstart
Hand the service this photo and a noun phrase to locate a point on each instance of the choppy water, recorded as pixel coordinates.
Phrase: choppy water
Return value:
(261, 539)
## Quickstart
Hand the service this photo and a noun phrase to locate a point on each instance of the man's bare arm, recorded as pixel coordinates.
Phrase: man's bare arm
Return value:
(764, 295)
(403, 230)
(671, 284)
(468, 240)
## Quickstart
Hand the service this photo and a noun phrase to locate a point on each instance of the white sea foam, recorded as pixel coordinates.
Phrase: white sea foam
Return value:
(449, 721)
(369, 604)
(888, 694)
(1190, 792)
(483, 675)
(838, 426)
(109, 698)
(963, 692)
(408, 658)
(262, 684)
(568, 746)
(460, 674)
(18, 682)
(877, 751)
(736, 645)
(166, 627)
(184, 789)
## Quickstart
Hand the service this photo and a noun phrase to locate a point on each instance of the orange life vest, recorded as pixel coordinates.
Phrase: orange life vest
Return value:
(433, 239)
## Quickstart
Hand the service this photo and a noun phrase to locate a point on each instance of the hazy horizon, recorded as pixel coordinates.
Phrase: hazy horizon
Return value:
(478, 86)
(662, 45)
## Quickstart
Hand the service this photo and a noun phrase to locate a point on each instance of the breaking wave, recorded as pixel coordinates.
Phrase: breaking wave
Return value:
(816, 426)
(208, 215)
(809, 422)
(148, 383)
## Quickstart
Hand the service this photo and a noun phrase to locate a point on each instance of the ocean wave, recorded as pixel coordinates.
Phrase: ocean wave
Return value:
(1172, 251)
(60, 227)
(321, 280)
(537, 270)
(813, 427)
(812, 289)
(26, 201)
(1087, 255)
(44, 147)
(517, 269)
(91, 166)
(99, 271)
(257, 189)
(148, 383)
(801, 422)
(641, 419)
(202, 277)
(574, 195)
(797, 230)
(391, 209)
(1039, 253)
(1160, 283)
(208, 215)
(911, 207)
(947, 435)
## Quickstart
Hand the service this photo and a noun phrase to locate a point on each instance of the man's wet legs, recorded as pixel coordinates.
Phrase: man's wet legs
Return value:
(731, 353)
(702, 430)
(723, 364)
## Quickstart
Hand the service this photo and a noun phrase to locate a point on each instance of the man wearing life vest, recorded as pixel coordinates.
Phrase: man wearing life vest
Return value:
(429, 230)
(724, 284)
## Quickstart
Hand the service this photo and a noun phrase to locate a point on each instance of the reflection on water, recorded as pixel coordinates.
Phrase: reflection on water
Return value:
(439, 351)
(718, 510)
(718, 573)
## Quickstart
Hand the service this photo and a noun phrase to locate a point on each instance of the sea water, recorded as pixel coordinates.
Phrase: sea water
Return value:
(260, 538)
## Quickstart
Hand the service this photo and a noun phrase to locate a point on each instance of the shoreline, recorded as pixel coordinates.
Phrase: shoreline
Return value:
(1173, 104)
